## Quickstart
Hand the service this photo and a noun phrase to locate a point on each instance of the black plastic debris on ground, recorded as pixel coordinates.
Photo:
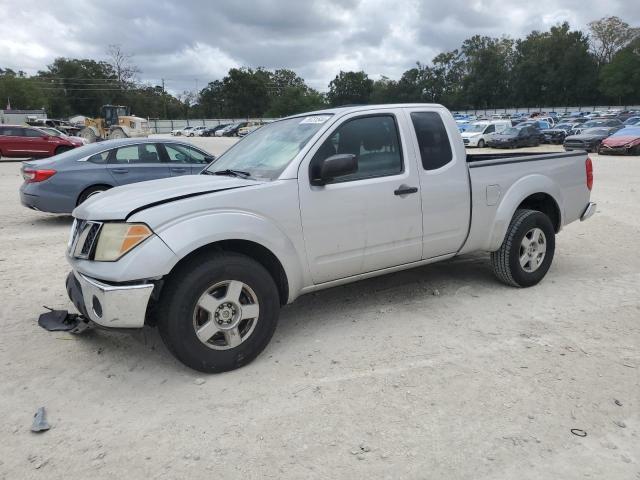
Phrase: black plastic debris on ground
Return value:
(62, 321)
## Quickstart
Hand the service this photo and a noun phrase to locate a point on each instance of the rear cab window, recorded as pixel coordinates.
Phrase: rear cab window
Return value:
(433, 140)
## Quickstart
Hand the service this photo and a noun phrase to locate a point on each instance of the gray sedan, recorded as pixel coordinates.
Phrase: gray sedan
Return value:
(58, 184)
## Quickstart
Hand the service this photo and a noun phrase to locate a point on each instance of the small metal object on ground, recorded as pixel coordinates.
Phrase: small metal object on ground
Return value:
(578, 433)
(40, 423)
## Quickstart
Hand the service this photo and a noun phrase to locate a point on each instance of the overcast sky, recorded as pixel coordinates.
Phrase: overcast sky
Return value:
(198, 41)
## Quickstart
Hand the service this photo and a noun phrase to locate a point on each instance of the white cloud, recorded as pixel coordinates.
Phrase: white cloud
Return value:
(199, 39)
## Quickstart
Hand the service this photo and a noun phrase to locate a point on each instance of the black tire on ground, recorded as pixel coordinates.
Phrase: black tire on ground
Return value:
(481, 143)
(62, 149)
(506, 260)
(596, 148)
(89, 192)
(178, 308)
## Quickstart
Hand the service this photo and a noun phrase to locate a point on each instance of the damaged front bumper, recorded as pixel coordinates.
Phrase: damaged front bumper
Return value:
(107, 305)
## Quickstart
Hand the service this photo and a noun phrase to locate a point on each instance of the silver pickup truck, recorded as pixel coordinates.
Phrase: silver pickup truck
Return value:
(305, 203)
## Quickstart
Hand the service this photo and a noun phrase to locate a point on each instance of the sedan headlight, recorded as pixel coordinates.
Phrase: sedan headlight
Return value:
(116, 239)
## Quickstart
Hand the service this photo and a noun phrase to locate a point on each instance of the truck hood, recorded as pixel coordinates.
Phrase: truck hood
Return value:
(120, 202)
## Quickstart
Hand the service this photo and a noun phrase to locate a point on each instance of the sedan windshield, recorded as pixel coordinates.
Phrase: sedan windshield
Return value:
(595, 131)
(627, 131)
(511, 131)
(267, 151)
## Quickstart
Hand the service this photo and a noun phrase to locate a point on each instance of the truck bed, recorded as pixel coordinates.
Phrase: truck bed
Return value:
(500, 182)
(516, 157)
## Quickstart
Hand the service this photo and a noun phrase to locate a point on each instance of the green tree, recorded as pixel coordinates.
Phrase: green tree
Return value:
(620, 79)
(554, 68)
(487, 66)
(350, 88)
(609, 35)
(295, 99)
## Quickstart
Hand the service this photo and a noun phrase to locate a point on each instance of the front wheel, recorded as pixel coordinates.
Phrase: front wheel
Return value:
(117, 133)
(217, 313)
(481, 143)
(527, 251)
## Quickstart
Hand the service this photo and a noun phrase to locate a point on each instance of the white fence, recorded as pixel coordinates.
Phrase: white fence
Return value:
(595, 108)
(165, 126)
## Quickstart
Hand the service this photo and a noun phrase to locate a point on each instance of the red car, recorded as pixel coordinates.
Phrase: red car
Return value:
(625, 141)
(19, 141)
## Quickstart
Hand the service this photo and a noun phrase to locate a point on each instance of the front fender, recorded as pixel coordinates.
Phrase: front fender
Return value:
(514, 196)
(190, 233)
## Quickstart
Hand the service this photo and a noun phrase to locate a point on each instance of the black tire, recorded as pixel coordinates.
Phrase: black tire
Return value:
(179, 300)
(481, 143)
(88, 192)
(63, 149)
(506, 260)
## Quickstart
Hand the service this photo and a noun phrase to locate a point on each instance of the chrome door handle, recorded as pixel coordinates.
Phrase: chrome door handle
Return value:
(178, 170)
(405, 190)
(120, 170)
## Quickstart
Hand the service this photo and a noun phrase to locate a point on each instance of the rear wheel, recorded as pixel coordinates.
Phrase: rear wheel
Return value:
(117, 133)
(217, 313)
(91, 191)
(527, 251)
(88, 134)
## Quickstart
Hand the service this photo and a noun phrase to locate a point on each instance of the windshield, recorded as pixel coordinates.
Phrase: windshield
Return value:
(267, 151)
(52, 131)
(627, 131)
(595, 131)
(476, 128)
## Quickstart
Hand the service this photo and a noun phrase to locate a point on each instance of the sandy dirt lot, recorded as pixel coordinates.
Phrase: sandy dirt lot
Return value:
(439, 372)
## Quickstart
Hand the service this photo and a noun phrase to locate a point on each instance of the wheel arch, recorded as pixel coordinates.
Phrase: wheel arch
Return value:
(84, 190)
(251, 249)
(535, 192)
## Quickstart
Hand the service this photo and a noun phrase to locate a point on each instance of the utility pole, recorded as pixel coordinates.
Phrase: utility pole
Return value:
(164, 99)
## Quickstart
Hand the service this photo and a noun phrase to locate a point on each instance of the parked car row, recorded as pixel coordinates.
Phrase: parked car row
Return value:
(238, 129)
(25, 141)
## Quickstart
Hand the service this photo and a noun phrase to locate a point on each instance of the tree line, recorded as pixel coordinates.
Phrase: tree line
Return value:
(558, 67)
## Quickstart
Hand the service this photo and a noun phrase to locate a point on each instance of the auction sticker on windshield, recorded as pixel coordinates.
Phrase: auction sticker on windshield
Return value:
(316, 119)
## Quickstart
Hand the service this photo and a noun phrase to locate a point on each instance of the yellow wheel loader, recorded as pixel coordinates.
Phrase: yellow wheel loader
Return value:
(116, 122)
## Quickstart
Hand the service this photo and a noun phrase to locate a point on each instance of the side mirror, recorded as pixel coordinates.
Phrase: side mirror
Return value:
(333, 167)
(208, 159)
(45, 137)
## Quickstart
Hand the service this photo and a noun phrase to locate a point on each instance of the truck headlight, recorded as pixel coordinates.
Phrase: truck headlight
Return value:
(116, 239)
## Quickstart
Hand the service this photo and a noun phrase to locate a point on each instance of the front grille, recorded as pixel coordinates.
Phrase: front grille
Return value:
(84, 238)
(577, 144)
(90, 239)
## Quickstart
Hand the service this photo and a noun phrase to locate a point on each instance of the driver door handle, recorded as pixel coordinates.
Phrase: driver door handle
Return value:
(405, 190)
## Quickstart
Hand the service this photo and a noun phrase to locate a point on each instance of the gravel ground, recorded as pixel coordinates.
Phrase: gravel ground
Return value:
(438, 372)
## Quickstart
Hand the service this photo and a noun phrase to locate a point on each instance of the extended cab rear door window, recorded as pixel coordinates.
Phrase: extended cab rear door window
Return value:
(433, 141)
(375, 142)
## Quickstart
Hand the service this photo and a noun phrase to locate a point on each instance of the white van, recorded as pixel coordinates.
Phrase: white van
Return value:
(477, 135)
